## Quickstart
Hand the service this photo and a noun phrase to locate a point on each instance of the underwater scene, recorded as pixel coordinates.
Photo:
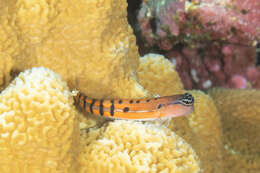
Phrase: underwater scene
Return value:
(129, 86)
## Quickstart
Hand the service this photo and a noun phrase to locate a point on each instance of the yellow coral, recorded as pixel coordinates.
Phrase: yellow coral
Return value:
(128, 146)
(89, 43)
(201, 129)
(96, 44)
(242, 104)
(38, 126)
(240, 110)
(5, 70)
(154, 70)
(39, 132)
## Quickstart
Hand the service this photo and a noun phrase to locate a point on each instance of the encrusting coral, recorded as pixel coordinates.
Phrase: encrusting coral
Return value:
(240, 110)
(38, 124)
(212, 42)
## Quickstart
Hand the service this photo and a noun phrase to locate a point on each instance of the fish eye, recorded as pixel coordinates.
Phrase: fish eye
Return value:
(187, 99)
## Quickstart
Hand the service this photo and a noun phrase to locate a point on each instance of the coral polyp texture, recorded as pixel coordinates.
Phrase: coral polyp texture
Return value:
(128, 146)
(154, 68)
(212, 43)
(38, 124)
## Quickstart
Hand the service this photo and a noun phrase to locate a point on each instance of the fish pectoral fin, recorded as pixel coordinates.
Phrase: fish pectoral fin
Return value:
(164, 121)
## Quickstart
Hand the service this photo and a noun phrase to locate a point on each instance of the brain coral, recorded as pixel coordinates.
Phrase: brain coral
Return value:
(128, 146)
(38, 130)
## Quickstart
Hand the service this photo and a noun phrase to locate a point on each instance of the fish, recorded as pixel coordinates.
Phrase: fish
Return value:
(144, 109)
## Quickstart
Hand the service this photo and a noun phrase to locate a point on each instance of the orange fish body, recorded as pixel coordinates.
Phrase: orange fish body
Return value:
(138, 109)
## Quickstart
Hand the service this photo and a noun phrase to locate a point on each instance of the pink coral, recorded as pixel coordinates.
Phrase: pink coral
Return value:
(170, 23)
(253, 74)
(238, 81)
(239, 18)
(210, 41)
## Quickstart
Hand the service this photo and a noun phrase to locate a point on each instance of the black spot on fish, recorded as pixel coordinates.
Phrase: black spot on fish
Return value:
(159, 106)
(126, 109)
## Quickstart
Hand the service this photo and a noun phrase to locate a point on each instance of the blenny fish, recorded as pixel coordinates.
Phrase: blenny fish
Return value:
(166, 107)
